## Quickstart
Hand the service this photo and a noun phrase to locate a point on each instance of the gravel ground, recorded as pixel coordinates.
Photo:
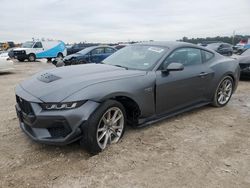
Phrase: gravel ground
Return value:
(208, 147)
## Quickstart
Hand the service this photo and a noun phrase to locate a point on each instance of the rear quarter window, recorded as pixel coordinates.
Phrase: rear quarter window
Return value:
(207, 55)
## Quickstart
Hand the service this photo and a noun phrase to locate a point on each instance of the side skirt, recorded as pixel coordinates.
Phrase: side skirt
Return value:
(156, 118)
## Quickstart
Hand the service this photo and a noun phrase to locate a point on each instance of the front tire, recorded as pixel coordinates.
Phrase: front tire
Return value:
(105, 126)
(32, 58)
(223, 92)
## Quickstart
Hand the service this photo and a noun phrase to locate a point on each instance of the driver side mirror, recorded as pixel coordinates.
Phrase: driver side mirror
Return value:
(173, 67)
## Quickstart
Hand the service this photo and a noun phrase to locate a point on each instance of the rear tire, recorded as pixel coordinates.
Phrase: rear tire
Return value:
(223, 92)
(60, 55)
(105, 126)
(32, 58)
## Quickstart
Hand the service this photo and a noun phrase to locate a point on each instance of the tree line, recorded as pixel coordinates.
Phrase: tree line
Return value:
(228, 39)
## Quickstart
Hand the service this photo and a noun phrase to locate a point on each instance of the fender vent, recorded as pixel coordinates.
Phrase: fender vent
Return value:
(48, 77)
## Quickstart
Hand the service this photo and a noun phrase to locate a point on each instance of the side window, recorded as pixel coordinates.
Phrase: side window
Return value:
(97, 51)
(225, 46)
(185, 56)
(207, 55)
(109, 50)
(38, 45)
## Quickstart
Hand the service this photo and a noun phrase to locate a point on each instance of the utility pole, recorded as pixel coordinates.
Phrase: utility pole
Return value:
(233, 37)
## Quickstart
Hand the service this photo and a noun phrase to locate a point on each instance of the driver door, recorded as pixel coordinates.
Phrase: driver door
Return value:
(38, 47)
(179, 89)
(97, 55)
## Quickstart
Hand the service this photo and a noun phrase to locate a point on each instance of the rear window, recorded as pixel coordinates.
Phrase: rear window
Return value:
(97, 51)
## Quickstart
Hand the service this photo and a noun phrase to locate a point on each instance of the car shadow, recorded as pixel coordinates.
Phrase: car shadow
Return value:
(6, 73)
(245, 78)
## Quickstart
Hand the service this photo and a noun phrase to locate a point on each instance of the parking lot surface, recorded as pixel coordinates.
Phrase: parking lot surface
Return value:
(207, 147)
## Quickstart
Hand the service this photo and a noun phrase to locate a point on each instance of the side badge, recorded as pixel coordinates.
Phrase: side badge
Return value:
(148, 89)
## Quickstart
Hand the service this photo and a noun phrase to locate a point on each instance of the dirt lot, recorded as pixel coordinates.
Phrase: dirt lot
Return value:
(209, 147)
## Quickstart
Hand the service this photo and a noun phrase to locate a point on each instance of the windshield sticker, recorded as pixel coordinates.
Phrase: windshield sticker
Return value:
(155, 49)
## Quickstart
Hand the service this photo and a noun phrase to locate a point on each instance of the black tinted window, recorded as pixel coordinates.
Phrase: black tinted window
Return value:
(207, 55)
(225, 46)
(185, 56)
(38, 45)
(97, 51)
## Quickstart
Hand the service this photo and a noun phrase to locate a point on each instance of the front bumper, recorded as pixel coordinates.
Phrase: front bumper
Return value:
(52, 127)
(20, 55)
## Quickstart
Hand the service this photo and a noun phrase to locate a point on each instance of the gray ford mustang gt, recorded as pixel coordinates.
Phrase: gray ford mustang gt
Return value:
(138, 85)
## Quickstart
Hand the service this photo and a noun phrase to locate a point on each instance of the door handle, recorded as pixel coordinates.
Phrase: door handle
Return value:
(202, 74)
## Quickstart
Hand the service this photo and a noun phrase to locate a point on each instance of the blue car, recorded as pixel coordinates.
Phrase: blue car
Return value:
(94, 54)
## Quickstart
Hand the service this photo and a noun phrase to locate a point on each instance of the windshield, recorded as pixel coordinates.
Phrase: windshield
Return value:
(139, 57)
(85, 51)
(28, 44)
(213, 46)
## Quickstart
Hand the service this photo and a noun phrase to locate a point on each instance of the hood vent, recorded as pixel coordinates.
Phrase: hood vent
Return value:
(48, 77)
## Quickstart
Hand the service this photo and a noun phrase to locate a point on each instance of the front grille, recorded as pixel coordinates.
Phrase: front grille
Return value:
(19, 52)
(59, 132)
(24, 105)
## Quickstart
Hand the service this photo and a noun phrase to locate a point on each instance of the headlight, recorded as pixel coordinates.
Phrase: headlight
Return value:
(61, 106)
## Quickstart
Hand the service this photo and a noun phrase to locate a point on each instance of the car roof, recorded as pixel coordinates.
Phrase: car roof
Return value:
(171, 44)
(99, 46)
(88, 49)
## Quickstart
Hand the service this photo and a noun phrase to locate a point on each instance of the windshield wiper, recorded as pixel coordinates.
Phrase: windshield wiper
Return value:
(114, 65)
(121, 66)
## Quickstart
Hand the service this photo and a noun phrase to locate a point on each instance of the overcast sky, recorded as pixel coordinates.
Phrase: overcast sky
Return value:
(121, 20)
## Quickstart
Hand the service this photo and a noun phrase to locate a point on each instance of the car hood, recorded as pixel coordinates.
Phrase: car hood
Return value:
(54, 85)
(19, 49)
(68, 57)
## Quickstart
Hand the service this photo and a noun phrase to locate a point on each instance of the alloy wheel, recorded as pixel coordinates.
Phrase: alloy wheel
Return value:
(110, 127)
(225, 91)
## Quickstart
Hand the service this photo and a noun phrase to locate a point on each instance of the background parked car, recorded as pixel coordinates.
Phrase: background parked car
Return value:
(33, 50)
(205, 43)
(243, 45)
(5, 63)
(244, 62)
(221, 48)
(78, 47)
(94, 54)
